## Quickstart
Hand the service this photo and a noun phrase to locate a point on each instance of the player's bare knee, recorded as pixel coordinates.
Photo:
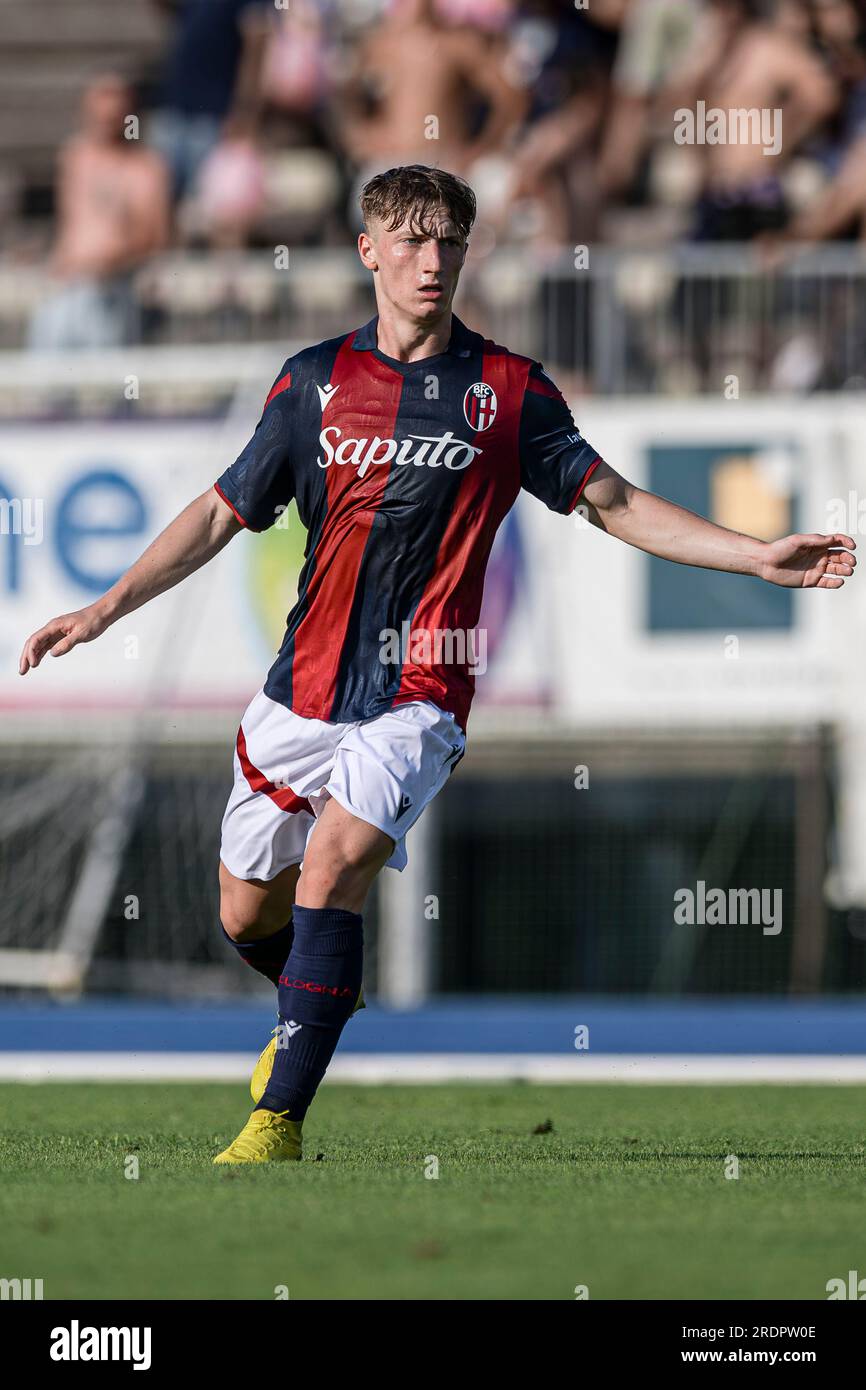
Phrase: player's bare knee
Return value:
(238, 925)
(332, 881)
(252, 908)
(340, 876)
(245, 919)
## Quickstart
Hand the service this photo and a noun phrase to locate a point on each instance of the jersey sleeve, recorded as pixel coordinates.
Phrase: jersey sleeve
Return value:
(259, 485)
(555, 459)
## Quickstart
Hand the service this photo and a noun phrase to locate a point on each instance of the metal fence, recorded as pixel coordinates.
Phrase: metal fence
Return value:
(677, 320)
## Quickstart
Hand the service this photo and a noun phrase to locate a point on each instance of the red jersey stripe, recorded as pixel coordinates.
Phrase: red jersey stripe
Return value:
(279, 386)
(544, 388)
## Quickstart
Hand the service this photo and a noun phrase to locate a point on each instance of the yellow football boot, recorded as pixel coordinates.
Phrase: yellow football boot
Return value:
(265, 1065)
(265, 1138)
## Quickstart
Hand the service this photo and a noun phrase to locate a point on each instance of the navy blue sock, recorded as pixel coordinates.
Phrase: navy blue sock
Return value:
(317, 993)
(268, 955)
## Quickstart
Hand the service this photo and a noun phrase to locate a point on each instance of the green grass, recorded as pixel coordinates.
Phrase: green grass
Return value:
(625, 1194)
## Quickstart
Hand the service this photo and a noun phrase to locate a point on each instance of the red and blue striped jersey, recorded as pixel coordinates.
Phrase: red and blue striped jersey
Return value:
(402, 473)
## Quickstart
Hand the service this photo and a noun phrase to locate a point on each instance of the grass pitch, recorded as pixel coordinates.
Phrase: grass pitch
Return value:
(539, 1189)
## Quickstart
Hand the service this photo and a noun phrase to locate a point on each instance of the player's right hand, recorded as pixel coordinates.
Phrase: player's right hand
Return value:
(60, 635)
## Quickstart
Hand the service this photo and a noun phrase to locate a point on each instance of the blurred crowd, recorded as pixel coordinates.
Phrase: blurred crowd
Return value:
(266, 117)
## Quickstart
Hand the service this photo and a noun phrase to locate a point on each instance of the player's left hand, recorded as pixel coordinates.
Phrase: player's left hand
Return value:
(808, 562)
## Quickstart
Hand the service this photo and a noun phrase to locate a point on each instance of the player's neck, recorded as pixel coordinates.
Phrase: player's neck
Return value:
(407, 341)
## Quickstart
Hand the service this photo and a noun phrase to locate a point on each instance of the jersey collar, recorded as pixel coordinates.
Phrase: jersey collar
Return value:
(366, 338)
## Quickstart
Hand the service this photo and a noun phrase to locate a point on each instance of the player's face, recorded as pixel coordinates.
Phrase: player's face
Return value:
(416, 268)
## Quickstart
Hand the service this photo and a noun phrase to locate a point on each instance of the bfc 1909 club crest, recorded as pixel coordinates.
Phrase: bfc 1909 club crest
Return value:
(479, 406)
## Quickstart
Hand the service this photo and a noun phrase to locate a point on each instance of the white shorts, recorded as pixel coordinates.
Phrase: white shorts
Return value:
(384, 770)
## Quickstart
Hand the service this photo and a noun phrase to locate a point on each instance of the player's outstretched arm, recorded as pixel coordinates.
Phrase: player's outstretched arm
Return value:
(662, 528)
(194, 537)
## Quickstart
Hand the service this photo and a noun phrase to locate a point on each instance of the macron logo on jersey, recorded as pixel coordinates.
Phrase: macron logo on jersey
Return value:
(326, 392)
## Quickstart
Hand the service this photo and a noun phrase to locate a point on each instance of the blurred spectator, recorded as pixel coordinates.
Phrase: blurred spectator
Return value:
(656, 36)
(295, 77)
(423, 89)
(113, 213)
(302, 177)
(557, 114)
(751, 57)
(213, 81)
(564, 59)
(230, 195)
(840, 206)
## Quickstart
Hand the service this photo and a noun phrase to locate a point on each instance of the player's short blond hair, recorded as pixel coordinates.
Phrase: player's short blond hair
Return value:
(413, 192)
